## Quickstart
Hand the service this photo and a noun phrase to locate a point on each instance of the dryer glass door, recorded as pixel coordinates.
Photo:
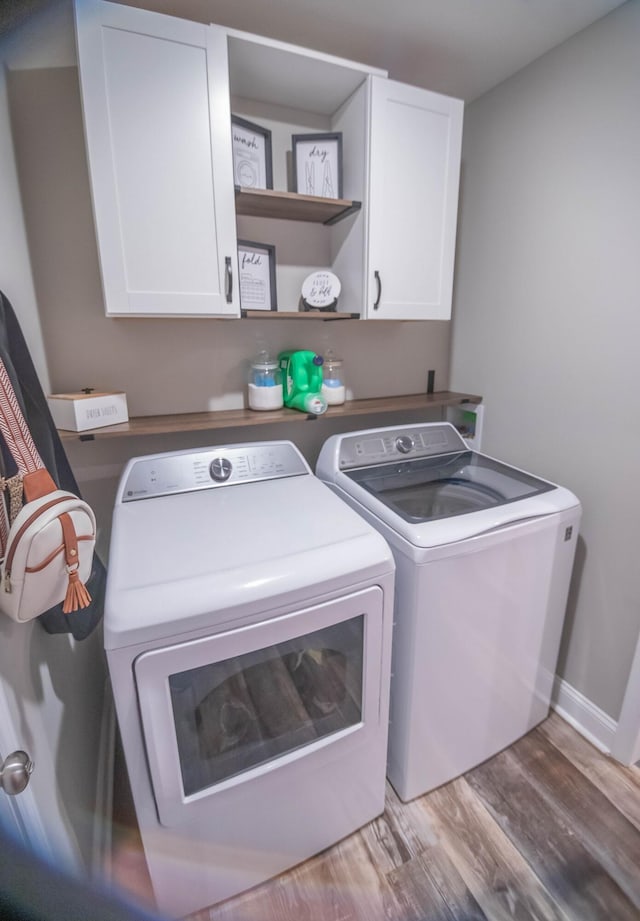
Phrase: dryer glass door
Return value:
(225, 708)
(244, 711)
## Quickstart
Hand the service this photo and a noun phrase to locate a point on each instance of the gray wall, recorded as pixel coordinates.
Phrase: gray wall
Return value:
(547, 312)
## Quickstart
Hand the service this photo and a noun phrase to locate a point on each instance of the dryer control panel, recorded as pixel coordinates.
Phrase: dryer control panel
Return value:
(376, 446)
(186, 471)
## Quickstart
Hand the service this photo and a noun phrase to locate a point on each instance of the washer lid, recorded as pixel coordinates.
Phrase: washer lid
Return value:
(187, 560)
(427, 489)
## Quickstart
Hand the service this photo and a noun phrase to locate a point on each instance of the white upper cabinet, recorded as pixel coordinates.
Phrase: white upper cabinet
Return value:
(414, 171)
(158, 95)
(157, 122)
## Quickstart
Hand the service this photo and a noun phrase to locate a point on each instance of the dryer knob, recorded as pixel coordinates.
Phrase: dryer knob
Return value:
(220, 469)
(404, 444)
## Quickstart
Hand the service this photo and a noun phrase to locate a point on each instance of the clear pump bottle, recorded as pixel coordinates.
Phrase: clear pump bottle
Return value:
(333, 386)
(265, 383)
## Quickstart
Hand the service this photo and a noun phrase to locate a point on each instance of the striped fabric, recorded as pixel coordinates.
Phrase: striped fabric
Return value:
(18, 439)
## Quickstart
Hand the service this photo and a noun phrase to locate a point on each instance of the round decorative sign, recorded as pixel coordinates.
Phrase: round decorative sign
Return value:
(320, 291)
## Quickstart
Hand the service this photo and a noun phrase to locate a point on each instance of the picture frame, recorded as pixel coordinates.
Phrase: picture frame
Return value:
(317, 164)
(257, 271)
(252, 156)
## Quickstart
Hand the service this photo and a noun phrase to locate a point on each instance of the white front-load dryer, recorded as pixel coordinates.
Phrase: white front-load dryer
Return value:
(484, 554)
(248, 637)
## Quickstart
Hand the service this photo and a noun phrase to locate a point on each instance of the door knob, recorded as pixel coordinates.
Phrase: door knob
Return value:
(15, 771)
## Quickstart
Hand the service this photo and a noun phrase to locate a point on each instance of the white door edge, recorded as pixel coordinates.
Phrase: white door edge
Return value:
(20, 813)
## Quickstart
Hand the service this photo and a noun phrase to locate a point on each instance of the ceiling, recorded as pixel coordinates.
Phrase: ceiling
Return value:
(459, 47)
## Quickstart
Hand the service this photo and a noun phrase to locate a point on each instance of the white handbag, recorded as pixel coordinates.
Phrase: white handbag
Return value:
(47, 549)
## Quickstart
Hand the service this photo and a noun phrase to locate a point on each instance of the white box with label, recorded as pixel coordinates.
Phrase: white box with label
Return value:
(80, 411)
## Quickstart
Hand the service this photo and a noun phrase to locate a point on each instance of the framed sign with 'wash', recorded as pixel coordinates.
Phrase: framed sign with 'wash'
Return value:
(252, 163)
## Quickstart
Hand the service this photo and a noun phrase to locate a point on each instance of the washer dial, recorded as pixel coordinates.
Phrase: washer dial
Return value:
(404, 444)
(220, 469)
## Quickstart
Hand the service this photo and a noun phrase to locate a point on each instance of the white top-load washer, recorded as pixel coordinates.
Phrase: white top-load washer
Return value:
(247, 630)
(484, 554)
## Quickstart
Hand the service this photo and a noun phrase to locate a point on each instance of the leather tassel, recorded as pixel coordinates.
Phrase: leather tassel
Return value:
(77, 595)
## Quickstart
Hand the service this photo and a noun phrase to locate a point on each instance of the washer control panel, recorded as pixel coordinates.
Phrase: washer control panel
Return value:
(378, 446)
(186, 471)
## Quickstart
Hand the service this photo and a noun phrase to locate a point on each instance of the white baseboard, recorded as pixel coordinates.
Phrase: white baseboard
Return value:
(587, 719)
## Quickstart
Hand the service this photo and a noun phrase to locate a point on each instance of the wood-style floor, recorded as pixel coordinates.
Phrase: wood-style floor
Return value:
(549, 830)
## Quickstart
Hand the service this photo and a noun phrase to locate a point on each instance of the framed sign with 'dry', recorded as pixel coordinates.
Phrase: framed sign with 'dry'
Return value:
(317, 164)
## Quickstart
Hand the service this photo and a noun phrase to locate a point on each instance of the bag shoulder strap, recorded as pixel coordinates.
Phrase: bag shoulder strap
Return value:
(36, 479)
(15, 429)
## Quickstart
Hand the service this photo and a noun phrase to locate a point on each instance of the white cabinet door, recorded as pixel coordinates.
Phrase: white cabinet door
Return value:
(157, 123)
(416, 139)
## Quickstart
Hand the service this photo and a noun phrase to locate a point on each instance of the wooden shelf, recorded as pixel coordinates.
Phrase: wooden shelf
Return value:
(235, 418)
(297, 315)
(293, 207)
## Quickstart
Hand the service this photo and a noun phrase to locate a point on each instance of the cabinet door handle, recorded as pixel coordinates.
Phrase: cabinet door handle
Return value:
(228, 279)
(376, 275)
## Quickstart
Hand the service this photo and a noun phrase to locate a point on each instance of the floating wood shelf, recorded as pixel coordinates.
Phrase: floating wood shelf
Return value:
(236, 418)
(291, 206)
(297, 315)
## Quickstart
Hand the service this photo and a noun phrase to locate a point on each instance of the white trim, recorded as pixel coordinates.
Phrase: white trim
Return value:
(103, 813)
(626, 745)
(585, 717)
